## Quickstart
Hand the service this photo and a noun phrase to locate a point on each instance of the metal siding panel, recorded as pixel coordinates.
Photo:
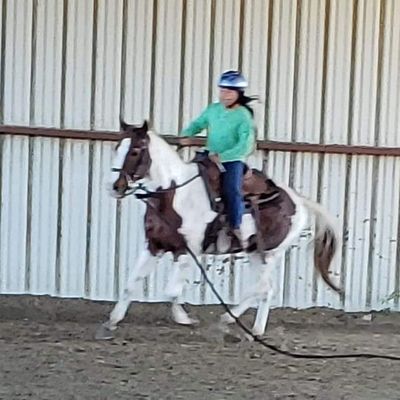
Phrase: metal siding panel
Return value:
(108, 65)
(167, 66)
(42, 257)
(138, 60)
(78, 68)
(278, 169)
(256, 160)
(1, 61)
(74, 218)
(282, 71)
(300, 269)
(332, 193)
(297, 78)
(365, 73)
(17, 73)
(308, 98)
(197, 59)
(385, 240)
(102, 227)
(254, 53)
(390, 90)
(338, 72)
(226, 38)
(356, 257)
(13, 214)
(48, 64)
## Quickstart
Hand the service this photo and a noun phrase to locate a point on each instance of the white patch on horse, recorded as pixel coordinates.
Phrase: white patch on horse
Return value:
(119, 158)
(191, 201)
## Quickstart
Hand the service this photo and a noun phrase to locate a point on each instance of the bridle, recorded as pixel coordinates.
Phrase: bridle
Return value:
(133, 177)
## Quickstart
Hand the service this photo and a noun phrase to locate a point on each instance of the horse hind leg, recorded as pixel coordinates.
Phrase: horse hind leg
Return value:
(174, 290)
(145, 265)
(260, 296)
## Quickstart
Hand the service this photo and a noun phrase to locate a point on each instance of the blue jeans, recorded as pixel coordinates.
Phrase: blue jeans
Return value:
(232, 181)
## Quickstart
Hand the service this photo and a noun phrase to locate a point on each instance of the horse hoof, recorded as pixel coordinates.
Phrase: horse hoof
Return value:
(249, 337)
(232, 338)
(227, 319)
(187, 321)
(103, 332)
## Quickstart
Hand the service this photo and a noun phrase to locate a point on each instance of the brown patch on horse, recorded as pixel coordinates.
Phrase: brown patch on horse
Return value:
(324, 250)
(275, 220)
(161, 224)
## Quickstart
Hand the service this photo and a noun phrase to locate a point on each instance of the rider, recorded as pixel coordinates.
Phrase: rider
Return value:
(230, 140)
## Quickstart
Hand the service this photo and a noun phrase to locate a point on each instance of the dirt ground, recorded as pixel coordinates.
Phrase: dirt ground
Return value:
(47, 351)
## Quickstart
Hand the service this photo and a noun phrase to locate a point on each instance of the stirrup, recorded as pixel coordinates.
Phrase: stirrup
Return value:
(237, 244)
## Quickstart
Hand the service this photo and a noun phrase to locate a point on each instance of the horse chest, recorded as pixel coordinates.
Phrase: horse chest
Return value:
(161, 226)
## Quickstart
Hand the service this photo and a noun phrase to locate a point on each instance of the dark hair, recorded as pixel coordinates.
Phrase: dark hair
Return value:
(243, 100)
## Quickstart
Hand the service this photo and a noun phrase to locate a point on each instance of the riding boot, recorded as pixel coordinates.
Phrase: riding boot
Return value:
(236, 241)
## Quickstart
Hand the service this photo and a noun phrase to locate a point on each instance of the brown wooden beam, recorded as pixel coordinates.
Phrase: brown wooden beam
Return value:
(265, 145)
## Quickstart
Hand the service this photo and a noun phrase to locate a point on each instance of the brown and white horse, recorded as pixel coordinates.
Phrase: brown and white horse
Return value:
(179, 213)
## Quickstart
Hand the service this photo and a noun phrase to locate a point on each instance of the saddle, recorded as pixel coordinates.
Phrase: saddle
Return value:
(258, 190)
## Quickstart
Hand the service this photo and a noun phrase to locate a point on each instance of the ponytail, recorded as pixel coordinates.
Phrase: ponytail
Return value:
(243, 100)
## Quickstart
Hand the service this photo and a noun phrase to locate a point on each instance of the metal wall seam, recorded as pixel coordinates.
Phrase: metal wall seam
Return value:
(167, 66)
(138, 76)
(73, 246)
(197, 55)
(226, 40)
(45, 164)
(17, 64)
(13, 214)
(108, 65)
(390, 87)
(78, 68)
(48, 62)
(254, 56)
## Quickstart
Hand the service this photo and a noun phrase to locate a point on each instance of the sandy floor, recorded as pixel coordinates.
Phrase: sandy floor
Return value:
(47, 351)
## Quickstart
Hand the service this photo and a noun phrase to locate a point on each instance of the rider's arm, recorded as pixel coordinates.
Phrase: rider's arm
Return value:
(197, 125)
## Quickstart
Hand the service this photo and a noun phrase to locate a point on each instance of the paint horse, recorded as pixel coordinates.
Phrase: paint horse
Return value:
(183, 212)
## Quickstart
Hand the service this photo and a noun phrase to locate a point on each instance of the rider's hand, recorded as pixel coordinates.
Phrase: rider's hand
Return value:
(214, 157)
(185, 141)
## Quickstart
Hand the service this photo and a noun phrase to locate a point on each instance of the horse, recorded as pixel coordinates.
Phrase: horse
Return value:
(182, 213)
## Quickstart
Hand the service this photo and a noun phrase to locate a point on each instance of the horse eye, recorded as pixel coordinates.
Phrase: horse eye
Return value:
(134, 153)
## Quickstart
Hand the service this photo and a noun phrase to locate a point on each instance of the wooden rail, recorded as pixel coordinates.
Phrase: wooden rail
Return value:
(265, 145)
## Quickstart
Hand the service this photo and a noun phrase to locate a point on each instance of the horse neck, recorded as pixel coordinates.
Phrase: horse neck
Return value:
(166, 165)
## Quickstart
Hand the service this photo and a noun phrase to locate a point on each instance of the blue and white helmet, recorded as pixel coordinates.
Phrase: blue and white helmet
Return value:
(233, 80)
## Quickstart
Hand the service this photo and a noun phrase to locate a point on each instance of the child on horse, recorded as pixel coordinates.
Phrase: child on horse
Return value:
(230, 140)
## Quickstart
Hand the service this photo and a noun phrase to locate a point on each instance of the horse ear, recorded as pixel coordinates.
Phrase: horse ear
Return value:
(145, 125)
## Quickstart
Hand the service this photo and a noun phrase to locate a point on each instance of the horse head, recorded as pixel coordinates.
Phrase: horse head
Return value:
(132, 159)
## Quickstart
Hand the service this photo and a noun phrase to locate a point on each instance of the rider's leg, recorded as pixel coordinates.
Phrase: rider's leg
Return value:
(232, 182)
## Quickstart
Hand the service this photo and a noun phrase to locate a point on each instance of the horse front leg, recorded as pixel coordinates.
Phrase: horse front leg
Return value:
(144, 266)
(174, 290)
(264, 298)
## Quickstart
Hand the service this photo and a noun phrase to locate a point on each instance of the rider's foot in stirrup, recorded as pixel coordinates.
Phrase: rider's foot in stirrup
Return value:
(237, 244)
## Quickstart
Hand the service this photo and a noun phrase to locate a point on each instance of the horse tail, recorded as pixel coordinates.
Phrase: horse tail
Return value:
(326, 242)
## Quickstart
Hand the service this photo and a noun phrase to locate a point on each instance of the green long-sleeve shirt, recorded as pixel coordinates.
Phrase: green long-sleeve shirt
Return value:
(230, 131)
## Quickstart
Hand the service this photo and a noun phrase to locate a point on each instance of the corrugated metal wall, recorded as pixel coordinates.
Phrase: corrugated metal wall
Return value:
(325, 71)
